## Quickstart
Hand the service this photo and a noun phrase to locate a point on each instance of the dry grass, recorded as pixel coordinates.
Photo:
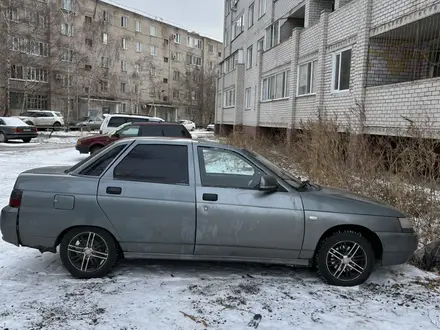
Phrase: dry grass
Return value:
(403, 173)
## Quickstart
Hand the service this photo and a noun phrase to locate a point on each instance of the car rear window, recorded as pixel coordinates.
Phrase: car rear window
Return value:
(165, 130)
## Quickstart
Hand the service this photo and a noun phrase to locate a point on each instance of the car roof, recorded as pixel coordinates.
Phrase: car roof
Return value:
(165, 140)
(129, 116)
(146, 123)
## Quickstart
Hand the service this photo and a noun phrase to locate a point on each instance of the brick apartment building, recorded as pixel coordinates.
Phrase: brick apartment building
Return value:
(87, 57)
(370, 62)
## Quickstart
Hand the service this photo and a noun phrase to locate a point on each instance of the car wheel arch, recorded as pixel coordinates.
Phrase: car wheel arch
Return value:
(99, 145)
(65, 231)
(370, 235)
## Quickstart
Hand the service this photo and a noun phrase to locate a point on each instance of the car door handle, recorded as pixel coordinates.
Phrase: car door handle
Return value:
(113, 190)
(210, 197)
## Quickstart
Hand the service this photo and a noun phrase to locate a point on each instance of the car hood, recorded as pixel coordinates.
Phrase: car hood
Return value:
(341, 201)
(90, 139)
(48, 170)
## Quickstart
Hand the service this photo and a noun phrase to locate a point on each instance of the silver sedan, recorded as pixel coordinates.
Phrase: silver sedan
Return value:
(197, 200)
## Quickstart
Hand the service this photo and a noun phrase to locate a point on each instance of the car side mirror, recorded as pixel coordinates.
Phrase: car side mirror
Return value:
(268, 183)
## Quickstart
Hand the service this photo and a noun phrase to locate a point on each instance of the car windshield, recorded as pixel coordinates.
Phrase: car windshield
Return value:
(288, 177)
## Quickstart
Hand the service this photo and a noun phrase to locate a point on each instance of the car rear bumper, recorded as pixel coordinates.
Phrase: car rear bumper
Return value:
(24, 135)
(398, 248)
(8, 225)
(83, 149)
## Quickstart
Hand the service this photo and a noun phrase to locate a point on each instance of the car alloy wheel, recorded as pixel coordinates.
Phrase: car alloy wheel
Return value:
(3, 137)
(345, 259)
(88, 252)
(56, 126)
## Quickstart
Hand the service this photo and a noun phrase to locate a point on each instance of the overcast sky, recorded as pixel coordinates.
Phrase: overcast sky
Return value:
(202, 16)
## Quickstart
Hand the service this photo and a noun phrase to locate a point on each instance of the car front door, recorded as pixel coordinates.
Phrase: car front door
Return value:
(237, 221)
(149, 197)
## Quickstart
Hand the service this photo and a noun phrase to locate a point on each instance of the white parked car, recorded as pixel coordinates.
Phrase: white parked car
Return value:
(113, 121)
(43, 118)
(210, 127)
(189, 125)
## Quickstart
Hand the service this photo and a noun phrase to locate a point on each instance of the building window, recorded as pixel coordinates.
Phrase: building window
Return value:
(177, 38)
(124, 20)
(177, 57)
(153, 71)
(341, 70)
(124, 43)
(251, 13)
(138, 26)
(247, 98)
(123, 66)
(230, 63)
(176, 75)
(307, 78)
(17, 72)
(13, 14)
(138, 47)
(153, 31)
(194, 43)
(262, 4)
(176, 93)
(67, 55)
(104, 62)
(153, 51)
(104, 38)
(88, 19)
(249, 56)
(273, 35)
(211, 48)
(165, 80)
(123, 87)
(152, 92)
(103, 86)
(260, 44)
(237, 27)
(67, 29)
(275, 87)
(229, 98)
(89, 42)
(87, 67)
(227, 37)
(136, 89)
(66, 81)
(194, 60)
(165, 59)
(66, 5)
(105, 15)
(434, 67)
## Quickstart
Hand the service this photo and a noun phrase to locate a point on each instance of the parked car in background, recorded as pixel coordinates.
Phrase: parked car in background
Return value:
(197, 200)
(90, 123)
(43, 118)
(111, 122)
(210, 127)
(190, 125)
(12, 128)
(92, 144)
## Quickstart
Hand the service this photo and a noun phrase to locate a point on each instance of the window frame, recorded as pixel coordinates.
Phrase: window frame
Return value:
(334, 67)
(248, 98)
(251, 15)
(250, 59)
(286, 87)
(312, 64)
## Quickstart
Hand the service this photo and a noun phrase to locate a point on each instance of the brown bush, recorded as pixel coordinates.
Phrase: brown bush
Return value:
(402, 171)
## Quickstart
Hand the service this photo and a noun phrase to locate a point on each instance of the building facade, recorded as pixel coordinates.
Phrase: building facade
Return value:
(371, 64)
(86, 57)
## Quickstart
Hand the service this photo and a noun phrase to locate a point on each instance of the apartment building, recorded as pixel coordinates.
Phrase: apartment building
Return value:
(87, 57)
(370, 64)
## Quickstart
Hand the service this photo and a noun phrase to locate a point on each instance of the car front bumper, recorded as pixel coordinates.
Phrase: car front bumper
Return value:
(8, 225)
(398, 248)
(83, 149)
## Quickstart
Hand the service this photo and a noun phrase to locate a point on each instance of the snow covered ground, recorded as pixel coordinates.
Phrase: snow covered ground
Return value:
(37, 293)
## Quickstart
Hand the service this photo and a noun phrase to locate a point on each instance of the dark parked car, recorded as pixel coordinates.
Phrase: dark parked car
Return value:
(12, 128)
(197, 200)
(94, 143)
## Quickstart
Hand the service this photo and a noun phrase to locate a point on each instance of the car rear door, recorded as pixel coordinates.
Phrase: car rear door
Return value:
(235, 219)
(149, 197)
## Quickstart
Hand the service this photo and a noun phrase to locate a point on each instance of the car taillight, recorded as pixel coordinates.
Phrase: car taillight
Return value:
(17, 130)
(34, 129)
(15, 198)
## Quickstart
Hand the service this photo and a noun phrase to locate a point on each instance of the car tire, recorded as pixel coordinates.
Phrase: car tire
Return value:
(95, 149)
(3, 138)
(56, 126)
(27, 140)
(79, 257)
(334, 259)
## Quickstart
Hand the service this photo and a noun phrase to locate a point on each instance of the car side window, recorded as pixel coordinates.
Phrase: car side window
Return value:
(98, 167)
(116, 121)
(2, 122)
(226, 169)
(130, 131)
(155, 163)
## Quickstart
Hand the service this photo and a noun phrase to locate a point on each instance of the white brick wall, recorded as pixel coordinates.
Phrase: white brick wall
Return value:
(305, 109)
(344, 22)
(310, 40)
(275, 114)
(277, 56)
